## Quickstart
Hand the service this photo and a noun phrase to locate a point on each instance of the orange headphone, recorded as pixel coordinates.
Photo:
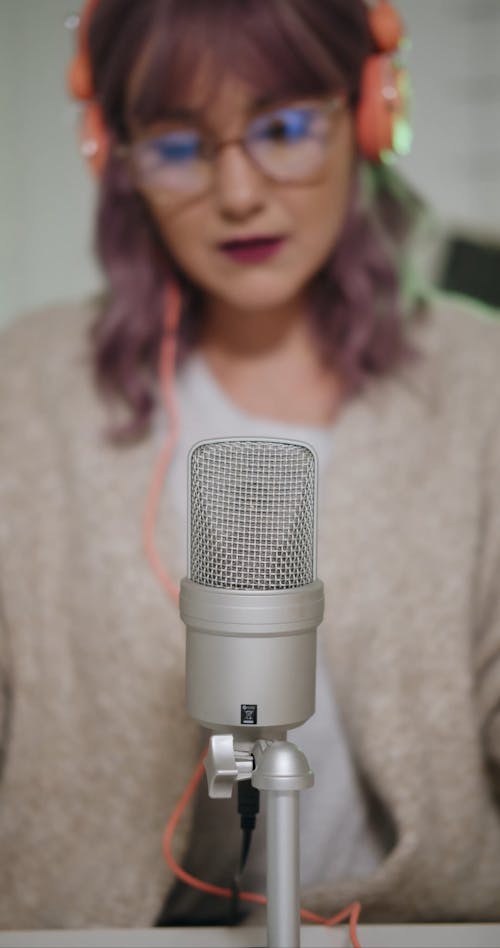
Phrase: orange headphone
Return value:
(382, 112)
(381, 116)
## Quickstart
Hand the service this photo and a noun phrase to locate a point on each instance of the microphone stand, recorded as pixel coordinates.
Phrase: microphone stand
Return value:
(281, 770)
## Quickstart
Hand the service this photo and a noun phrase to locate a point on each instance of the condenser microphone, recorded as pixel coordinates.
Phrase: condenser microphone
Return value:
(251, 601)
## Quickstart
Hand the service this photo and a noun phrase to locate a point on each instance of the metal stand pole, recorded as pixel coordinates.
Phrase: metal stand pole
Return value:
(283, 880)
(282, 771)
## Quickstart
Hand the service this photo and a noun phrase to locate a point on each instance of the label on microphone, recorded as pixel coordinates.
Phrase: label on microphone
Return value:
(248, 713)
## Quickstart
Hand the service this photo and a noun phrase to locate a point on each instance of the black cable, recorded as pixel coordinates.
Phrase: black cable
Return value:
(248, 808)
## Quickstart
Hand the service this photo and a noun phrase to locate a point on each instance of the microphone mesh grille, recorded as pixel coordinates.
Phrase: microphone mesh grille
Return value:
(252, 523)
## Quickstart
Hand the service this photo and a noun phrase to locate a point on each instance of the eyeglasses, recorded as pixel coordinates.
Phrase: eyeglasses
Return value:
(286, 144)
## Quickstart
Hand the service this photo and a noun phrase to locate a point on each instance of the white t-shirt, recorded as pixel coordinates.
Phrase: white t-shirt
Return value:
(336, 837)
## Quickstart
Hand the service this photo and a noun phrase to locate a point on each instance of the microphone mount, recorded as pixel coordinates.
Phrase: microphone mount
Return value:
(270, 765)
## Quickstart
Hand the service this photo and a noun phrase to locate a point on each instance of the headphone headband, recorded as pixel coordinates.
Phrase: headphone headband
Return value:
(386, 26)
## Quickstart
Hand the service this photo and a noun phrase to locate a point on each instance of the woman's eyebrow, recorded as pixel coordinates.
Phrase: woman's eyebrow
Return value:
(267, 101)
(180, 114)
(276, 101)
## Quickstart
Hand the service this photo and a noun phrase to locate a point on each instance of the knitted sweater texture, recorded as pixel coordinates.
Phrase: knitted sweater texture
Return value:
(96, 744)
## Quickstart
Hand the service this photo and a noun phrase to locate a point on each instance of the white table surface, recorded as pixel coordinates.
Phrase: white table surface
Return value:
(312, 936)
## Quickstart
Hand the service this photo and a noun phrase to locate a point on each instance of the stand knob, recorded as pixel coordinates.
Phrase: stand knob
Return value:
(224, 766)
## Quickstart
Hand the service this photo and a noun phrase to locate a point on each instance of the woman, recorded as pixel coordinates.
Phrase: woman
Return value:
(235, 177)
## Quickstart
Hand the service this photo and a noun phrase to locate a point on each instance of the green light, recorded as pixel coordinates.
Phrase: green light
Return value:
(403, 137)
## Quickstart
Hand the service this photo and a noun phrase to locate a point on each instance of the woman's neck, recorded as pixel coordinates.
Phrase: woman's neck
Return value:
(269, 364)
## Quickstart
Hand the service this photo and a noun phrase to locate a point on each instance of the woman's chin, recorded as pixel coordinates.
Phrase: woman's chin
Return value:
(254, 295)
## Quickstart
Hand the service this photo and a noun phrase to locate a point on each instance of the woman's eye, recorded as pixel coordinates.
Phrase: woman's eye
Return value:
(176, 148)
(289, 125)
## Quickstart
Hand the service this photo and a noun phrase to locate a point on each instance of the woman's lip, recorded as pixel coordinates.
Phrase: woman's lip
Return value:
(253, 250)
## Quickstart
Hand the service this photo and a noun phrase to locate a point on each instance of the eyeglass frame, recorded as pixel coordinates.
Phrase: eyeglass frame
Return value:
(124, 150)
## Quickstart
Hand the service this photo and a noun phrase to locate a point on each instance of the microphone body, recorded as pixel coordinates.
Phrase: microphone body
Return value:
(251, 656)
(251, 602)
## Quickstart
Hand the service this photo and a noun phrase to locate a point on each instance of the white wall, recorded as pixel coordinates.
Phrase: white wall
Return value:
(47, 197)
(455, 64)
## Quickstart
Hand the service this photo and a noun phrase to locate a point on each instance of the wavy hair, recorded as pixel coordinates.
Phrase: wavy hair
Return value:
(286, 47)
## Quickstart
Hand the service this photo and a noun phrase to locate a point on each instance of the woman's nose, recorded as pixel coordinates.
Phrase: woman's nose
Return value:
(239, 186)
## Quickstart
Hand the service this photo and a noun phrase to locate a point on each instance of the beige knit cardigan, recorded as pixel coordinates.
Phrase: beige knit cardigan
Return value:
(96, 742)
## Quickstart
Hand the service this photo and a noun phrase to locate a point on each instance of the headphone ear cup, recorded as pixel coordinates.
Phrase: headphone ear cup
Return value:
(94, 139)
(94, 136)
(381, 105)
(79, 75)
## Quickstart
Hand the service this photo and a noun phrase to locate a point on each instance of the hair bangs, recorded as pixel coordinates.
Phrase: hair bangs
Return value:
(194, 47)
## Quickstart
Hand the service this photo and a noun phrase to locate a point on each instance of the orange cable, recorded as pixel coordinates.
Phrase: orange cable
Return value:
(168, 354)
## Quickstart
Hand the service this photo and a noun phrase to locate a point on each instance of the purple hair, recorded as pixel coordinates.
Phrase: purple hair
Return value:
(303, 47)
